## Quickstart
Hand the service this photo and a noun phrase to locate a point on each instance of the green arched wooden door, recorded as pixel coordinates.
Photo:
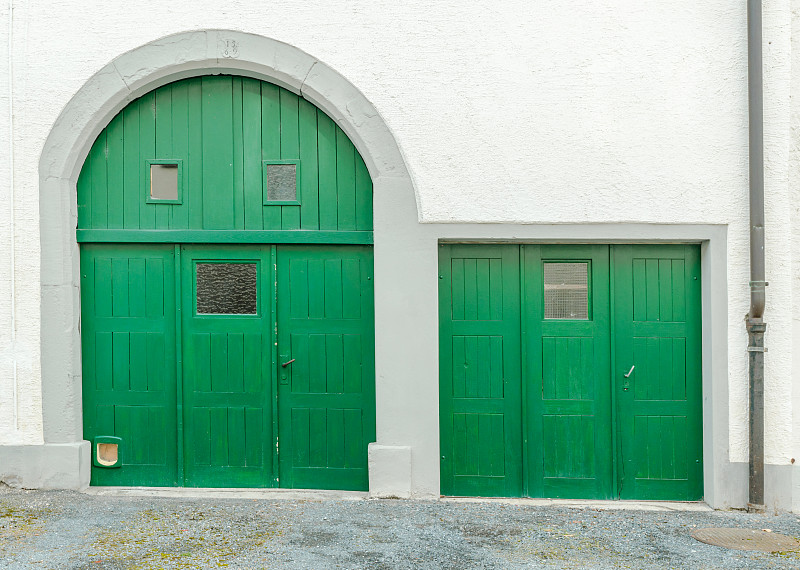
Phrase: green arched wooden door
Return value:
(225, 227)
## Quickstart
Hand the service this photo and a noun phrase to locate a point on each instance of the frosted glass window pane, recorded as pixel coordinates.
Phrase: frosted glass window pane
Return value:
(226, 289)
(282, 182)
(164, 181)
(566, 291)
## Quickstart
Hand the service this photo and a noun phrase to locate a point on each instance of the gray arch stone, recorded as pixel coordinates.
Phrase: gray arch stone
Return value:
(129, 76)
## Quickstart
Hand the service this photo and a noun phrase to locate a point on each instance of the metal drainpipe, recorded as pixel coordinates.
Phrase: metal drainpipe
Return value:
(755, 320)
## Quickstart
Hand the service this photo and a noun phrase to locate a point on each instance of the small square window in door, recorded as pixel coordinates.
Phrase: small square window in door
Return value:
(566, 290)
(227, 288)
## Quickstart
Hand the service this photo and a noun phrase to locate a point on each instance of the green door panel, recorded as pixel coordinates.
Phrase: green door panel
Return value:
(480, 417)
(128, 331)
(326, 390)
(535, 345)
(222, 130)
(227, 386)
(566, 374)
(658, 331)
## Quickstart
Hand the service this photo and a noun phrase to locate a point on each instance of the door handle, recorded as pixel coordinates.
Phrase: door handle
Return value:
(628, 375)
(288, 362)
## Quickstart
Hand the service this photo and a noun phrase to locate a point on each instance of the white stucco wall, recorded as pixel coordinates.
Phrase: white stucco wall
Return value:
(518, 111)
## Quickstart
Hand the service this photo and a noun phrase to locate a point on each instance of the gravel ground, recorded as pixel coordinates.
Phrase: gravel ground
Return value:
(67, 530)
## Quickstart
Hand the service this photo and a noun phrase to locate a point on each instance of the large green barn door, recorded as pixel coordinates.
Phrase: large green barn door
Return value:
(326, 370)
(128, 329)
(227, 294)
(657, 371)
(479, 361)
(566, 370)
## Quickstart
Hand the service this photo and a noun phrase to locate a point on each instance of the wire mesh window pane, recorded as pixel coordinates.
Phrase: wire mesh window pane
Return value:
(226, 289)
(566, 291)
(281, 182)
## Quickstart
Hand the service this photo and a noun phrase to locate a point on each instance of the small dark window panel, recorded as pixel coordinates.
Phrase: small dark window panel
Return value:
(227, 289)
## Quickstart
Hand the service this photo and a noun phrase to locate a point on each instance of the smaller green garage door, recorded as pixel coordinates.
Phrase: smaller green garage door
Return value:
(570, 371)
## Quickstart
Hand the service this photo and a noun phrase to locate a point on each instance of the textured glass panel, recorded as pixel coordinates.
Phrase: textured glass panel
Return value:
(226, 288)
(164, 181)
(281, 182)
(566, 291)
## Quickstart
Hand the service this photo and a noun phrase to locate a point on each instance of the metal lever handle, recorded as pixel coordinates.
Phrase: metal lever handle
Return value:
(287, 363)
(628, 375)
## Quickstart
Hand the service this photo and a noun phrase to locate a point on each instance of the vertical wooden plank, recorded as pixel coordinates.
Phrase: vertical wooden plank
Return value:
(353, 363)
(154, 287)
(122, 429)
(562, 368)
(219, 436)
(236, 437)
(252, 362)
(651, 276)
(318, 437)
(679, 276)
(163, 146)
(354, 444)
(138, 361)
(679, 391)
(306, 363)
(99, 174)
(496, 289)
(201, 436)
(665, 289)
(587, 366)
(549, 377)
(120, 360)
(140, 434)
(301, 437)
(103, 362)
(485, 447)
(238, 154)
(270, 143)
(317, 362)
(156, 362)
(219, 362)
(137, 282)
(236, 363)
(334, 351)
(459, 368)
(639, 290)
(147, 150)
(103, 287)
(351, 288)
(116, 173)
(335, 432)
(157, 444)
(254, 437)
(84, 190)
(459, 440)
(345, 181)
(194, 164)
(132, 165)
(483, 362)
(482, 289)
(251, 154)
(218, 191)
(470, 290)
(290, 150)
(201, 363)
(119, 284)
(457, 290)
(298, 289)
(333, 288)
(473, 441)
(309, 168)
(326, 150)
(496, 351)
(179, 214)
(471, 366)
(316, 288)
(575, 372)
(363, 196)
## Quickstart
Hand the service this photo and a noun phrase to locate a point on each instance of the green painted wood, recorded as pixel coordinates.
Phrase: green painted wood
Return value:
(326, 397)
(480, 390)
(129, 340)
(227, 382)
(587, 432)
(222, 129)
(568, 409)
(224, 236)
(658, 330)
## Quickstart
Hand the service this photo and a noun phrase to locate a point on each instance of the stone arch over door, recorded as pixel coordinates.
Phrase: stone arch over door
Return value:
(146, 68)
